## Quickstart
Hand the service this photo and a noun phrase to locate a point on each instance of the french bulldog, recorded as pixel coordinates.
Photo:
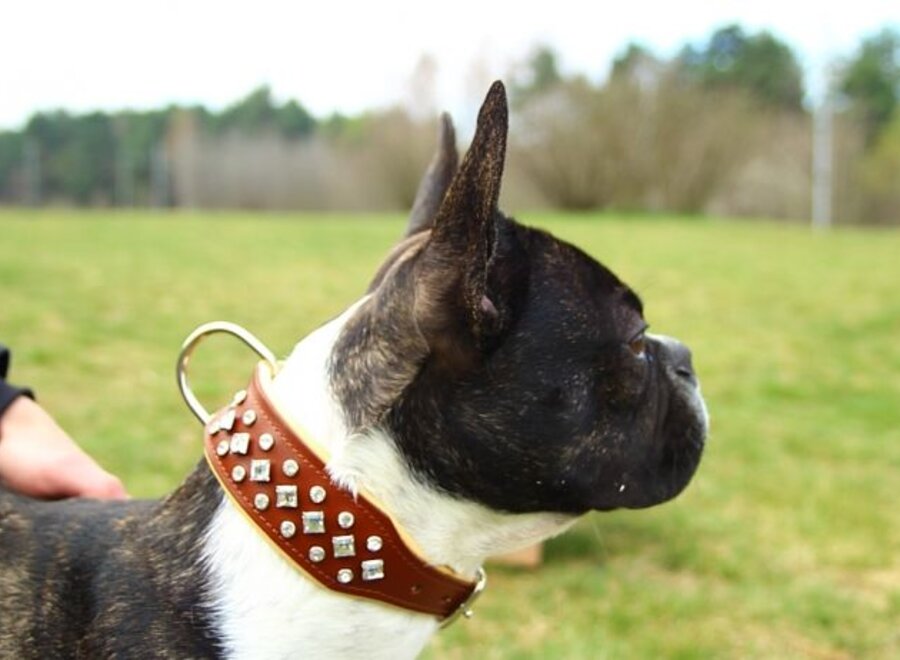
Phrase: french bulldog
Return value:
(492, 385)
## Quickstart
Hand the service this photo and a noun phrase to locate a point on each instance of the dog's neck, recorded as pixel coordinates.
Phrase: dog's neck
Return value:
(292, 612)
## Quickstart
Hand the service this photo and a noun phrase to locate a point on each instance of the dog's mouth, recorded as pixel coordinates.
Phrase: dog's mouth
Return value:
(670, 459)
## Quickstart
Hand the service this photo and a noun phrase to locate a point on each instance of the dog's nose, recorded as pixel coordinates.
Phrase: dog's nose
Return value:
(682, 363)
(678, 357)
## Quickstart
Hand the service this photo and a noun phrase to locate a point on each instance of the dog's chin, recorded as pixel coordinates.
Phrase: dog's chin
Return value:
(662, 479)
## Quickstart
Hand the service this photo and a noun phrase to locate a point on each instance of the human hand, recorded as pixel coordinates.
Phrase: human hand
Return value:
(39, 459)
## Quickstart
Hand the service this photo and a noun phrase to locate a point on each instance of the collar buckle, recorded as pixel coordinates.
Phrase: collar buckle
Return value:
(465, 608)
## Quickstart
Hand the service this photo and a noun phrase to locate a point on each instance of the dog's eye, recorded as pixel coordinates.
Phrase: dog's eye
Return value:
(638, 344)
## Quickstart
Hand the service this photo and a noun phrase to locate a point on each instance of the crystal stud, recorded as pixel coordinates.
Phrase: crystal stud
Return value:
(313, 522)
(344, 546)
(238, 472)
(249, 417)
(288, 529)
(316, 554)
(290, 467)
(345, 576)
(240, 443)
(222, 447)
(317, 494)
(266, 441)
(226, 420)
(374, 543)
(239, 397)
(260, 469)
(286, 497)
(346, 520)
(372, 569)
(261, 501)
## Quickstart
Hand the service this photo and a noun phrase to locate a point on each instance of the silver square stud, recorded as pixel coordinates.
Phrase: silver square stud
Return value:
(249, 417)
(240, 443)
(290, 467)
(266, 441)
(261, 501)
(260, 469)
(317, 494)
(344, 546)
(313, 522)
(286, 497)
(372, 569)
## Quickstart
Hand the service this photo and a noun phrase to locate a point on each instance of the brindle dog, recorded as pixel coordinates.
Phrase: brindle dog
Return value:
(494, 384)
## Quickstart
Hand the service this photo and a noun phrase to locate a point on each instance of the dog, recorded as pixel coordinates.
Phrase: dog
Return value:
(493, 385)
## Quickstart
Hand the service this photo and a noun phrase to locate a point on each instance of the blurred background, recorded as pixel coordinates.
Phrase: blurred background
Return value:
(766, 111)
(169, 163)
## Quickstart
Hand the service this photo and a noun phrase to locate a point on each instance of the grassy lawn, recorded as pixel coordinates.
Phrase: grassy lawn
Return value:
(787, 544)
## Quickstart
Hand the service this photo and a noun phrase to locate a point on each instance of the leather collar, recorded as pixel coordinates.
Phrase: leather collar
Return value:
(347, 544)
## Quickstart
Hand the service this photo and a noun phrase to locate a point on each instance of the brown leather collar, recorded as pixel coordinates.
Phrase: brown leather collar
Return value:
(347, 544)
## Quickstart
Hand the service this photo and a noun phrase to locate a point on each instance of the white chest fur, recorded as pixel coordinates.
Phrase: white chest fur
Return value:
(265, 608)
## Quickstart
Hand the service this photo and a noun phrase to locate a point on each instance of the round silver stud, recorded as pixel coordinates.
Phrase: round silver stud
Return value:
(288, 529)
(346, 519)
(290, 467)
(261, 501)
(222, 447)
(374, 543)
(249, 417)
(266, 441)
(345, 576)
(239, 397)
(317, 494)
(238, 472)
(316, 554)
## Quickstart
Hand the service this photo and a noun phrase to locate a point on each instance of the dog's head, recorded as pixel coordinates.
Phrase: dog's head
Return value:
(509, 367)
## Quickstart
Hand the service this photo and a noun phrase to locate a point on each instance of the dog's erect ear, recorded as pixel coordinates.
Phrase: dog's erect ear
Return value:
(470, 204)
(471, 255)
(436, 180)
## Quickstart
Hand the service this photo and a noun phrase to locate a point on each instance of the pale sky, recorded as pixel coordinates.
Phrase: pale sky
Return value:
(113, 54)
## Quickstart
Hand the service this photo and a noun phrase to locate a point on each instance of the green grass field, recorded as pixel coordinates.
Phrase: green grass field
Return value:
(787, 543)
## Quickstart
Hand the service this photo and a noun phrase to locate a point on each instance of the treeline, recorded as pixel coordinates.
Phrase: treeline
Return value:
(721, 127)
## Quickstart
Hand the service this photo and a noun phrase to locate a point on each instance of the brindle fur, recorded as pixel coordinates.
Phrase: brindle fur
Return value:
(92, 579)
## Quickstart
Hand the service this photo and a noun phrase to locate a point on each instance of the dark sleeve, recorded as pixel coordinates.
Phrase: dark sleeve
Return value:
(8, 393)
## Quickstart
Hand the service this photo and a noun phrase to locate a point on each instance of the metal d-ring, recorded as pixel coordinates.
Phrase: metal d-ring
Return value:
(187, 349)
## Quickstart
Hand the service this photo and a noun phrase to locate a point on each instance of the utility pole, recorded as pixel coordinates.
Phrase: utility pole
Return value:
(823, 156)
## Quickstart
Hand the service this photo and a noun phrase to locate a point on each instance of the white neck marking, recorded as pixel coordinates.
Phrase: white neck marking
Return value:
(267, 609)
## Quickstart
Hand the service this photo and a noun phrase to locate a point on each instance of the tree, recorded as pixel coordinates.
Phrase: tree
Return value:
(759, 63)
(12, 147)
(880, 176)
(257, 112)
(541, 75)
(78, 154)
(871, 80)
